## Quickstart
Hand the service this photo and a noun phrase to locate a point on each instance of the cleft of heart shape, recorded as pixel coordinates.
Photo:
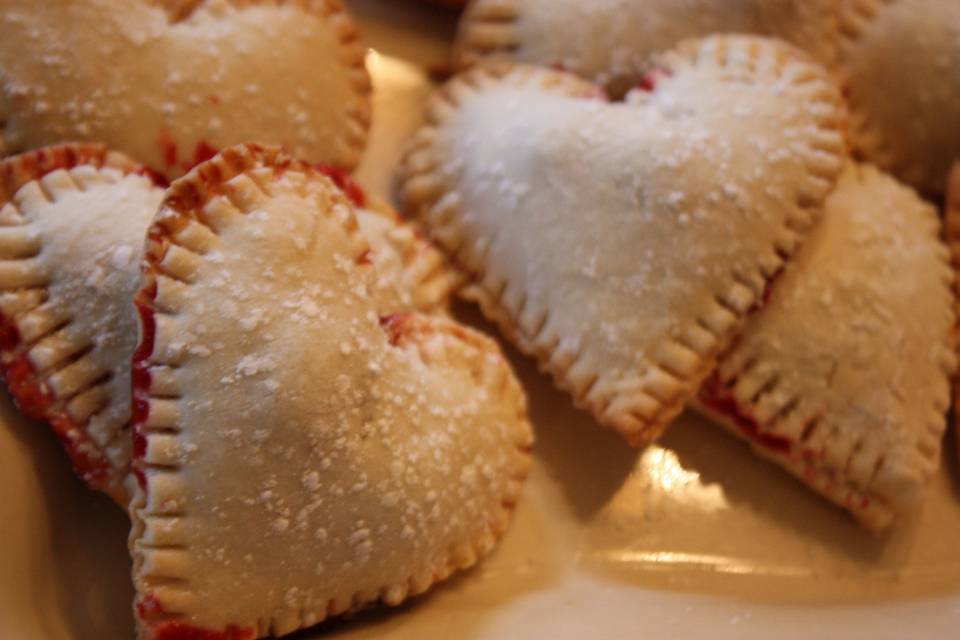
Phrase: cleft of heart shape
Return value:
(623, 244)
(169, 82)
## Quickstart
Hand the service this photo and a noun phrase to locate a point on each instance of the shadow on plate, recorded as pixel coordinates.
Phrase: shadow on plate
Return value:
(88, 561)
(749, 482)
(590, 462)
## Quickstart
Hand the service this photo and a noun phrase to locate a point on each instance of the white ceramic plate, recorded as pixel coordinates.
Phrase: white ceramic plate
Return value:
(693, 538)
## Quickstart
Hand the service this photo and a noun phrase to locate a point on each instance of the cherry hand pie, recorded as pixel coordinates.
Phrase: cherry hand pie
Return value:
(612, 41)
(171, 81)
(72, 221)
(843, 377)
(302, 448)
(623, 244)
(901, 62)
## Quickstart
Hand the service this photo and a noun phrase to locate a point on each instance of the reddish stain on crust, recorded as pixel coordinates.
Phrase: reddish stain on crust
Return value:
(148, 607)
(203, 152)
(652, 77)
(180, 631)
(140, 375)
(156, 177)
(170, 152)
(719, 398)
(168, 148)
(394, 325)
(342, 179)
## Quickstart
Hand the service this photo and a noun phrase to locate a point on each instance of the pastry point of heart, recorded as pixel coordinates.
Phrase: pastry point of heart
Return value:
(72, 219)
(899, 61)
(843, 377)
(624, 244)
(305, 446)
(613, 43)
(170, 82)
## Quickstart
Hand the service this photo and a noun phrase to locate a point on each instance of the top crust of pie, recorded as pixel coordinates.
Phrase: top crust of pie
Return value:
(591, 228)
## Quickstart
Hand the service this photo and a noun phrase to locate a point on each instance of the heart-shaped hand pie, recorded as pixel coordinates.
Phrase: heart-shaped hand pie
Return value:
(613, 43)
(72, 221)
(170, 81)
(624, 244)
(843, 377)
(300, 453)
(900, 61)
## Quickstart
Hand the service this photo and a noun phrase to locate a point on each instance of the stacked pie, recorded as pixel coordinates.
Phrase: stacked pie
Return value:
(725, 206)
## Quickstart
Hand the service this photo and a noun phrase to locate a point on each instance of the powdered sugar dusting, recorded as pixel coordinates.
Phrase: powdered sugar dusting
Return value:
(603, 218)
(91, 223)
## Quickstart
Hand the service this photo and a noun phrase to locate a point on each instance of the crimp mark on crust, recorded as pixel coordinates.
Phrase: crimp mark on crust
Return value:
(43, 366)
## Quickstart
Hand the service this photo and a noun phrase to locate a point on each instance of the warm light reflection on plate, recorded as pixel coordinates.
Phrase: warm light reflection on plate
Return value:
(672, 560)
(660, 475)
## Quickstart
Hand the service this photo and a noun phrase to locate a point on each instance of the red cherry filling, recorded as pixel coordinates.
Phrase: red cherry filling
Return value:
(180, 631)
(202, 152)
(394, 325)
(719, 398)
(149, 608)
(345, 182)
(140, 375)
(652, 77)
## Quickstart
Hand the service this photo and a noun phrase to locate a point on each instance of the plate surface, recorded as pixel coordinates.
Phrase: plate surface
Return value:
(692, 538)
